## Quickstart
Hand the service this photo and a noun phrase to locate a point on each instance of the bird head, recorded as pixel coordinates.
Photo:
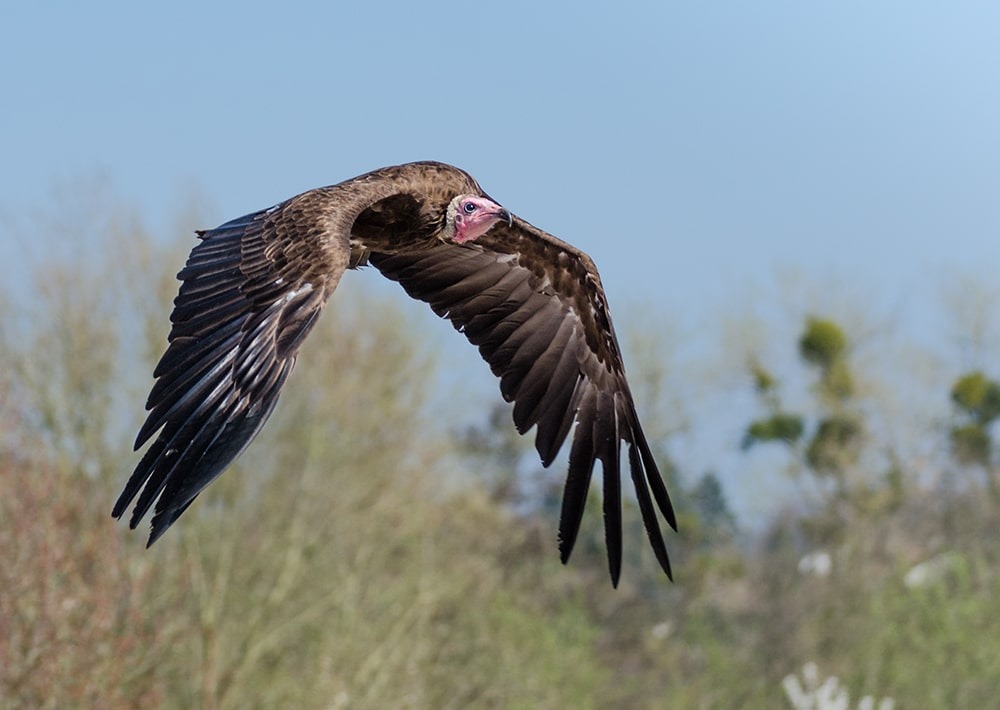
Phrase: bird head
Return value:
(470, 216)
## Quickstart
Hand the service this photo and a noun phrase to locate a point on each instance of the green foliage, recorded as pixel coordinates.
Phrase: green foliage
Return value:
(779, 427)
(834, 449)
(944, 620)
(977, 399)
(885, 631)
(823, 343)
(978, 396)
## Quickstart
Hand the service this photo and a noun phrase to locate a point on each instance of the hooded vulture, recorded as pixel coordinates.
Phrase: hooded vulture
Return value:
(253, 288)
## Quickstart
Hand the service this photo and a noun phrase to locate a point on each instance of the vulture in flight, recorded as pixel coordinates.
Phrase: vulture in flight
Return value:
(253, 288)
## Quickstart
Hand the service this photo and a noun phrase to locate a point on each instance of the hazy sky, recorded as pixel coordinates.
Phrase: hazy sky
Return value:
(688, 147)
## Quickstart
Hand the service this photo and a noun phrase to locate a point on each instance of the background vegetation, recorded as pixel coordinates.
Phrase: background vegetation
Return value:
(361, 555)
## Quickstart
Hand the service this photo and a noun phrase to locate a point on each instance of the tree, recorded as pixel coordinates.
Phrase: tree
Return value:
(977, 402)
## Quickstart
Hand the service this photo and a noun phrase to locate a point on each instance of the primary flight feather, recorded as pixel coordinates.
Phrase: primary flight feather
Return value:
(534, 306)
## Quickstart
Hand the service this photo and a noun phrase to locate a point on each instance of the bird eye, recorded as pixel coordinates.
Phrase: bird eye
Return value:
(469, 207)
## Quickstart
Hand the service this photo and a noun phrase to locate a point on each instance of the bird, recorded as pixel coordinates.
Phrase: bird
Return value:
(253, 288)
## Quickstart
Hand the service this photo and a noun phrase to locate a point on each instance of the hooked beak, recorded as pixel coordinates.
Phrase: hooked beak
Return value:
(506, 216)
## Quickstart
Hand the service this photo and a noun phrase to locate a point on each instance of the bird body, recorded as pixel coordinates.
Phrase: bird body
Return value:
(534, 306)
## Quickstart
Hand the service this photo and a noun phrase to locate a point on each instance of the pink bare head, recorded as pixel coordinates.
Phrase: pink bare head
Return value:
(470, 217)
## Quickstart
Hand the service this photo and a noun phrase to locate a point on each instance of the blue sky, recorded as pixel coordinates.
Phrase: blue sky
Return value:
(690, 148)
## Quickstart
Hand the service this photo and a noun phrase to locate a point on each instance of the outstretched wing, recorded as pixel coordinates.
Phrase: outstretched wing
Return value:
(252, 290)
(536, 309)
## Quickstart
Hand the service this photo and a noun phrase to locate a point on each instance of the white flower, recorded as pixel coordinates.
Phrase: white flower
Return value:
(817, 563)
(929, 571)
(662, 630)
(828, 695)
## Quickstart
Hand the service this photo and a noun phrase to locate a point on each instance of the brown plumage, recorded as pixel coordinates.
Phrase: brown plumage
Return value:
(533, 305)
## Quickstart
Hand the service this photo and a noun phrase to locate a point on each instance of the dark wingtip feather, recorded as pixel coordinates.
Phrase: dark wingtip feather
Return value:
(157, 528)
(581, 468)
(121, 505)
(606, 435)
(128, 494)
(613, 524)
(155, 533)
(656, 483)
(648, 512)
(163, 520)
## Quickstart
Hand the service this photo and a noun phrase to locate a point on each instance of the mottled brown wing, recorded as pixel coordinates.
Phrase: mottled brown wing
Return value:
(252, 290)
(535, 308)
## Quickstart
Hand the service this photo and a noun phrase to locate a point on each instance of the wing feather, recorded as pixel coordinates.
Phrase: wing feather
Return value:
(475, 288)
(646, 510)
(185, 353)
(512, 360)
(557, 410)
(608, 441)
(581, 468)
(208, 303)
(179, 396)
(543, 375)
(502, 291)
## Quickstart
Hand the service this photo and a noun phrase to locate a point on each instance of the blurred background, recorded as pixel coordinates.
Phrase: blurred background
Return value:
(794, 209)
